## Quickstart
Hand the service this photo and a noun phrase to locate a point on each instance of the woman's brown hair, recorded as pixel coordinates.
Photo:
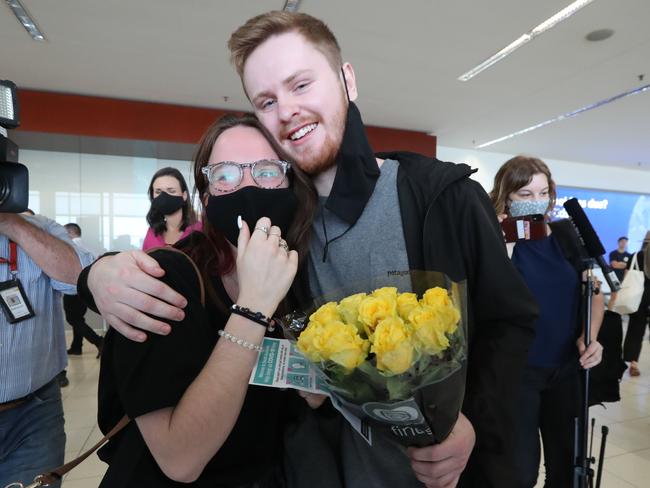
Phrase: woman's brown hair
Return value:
(516, 173)
(213, 255)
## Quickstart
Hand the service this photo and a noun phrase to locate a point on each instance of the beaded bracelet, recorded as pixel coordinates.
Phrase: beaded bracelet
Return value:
(240, 342)
(257, 317)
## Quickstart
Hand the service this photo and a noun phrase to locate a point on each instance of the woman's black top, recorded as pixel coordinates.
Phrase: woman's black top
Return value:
(138, 378)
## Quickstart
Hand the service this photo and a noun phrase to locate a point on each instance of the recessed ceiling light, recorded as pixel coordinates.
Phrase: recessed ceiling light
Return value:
(568, 115)
(599, 35)
(549, 23)
(24, 18)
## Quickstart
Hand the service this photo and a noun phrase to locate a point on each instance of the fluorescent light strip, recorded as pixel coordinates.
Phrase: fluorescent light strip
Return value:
(568, 115)
(24, 18)
(291, 5)
(549, 23)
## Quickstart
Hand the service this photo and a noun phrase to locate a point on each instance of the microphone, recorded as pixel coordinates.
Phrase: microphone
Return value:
(590, 241)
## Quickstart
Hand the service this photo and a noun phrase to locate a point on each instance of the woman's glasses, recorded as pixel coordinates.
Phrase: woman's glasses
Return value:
(226, 176)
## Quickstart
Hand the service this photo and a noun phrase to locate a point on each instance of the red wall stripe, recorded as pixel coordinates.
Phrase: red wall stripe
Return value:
(82, 115)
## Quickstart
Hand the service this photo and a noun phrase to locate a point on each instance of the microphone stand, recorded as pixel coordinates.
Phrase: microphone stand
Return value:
(583, 473)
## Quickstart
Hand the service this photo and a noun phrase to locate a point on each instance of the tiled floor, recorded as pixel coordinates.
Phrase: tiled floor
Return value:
(627, 463)
(80, 407)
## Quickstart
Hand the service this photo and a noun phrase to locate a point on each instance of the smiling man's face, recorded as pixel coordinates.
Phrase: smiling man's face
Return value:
(300, 98)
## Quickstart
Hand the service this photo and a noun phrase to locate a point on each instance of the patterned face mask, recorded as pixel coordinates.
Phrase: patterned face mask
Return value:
(519, 208)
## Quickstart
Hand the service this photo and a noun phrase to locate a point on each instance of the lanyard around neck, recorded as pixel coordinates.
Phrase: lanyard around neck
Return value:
(13, 258)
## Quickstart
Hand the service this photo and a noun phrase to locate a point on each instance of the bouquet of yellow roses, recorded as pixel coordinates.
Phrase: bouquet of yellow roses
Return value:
(394, 360)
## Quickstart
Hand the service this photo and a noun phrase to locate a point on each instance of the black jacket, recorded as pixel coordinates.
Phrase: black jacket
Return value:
(450, 226)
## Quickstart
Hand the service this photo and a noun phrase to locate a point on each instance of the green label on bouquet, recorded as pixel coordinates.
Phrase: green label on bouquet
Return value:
(266, 363)
(280, 365)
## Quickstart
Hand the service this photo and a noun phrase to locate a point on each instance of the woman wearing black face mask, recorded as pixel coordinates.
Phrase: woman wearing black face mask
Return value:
(171, 216)
(196, 420)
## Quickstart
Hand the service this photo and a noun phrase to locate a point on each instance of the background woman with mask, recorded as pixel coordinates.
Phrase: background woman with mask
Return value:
(171, 216)
(196, 420)
(553, 270)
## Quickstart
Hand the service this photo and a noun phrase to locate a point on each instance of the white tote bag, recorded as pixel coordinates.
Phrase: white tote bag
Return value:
(629, 296)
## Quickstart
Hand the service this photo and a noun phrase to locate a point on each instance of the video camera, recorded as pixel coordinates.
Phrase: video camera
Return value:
(14, 178)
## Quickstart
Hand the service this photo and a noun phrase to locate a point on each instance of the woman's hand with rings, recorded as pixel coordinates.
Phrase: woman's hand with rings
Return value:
(265, 268)
(261, 228)
(275, 232)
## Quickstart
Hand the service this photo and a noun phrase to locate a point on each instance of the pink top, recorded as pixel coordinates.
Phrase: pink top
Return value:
(152, 240)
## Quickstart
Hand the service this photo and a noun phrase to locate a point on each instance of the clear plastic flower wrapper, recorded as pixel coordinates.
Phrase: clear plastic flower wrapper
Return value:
(394, 359)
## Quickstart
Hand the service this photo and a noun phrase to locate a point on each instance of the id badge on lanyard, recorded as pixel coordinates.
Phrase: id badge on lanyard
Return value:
(13, 300)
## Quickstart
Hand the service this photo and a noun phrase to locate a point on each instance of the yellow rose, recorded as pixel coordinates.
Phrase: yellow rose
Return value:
(344, 346)
(348, 308)
(436, 297)
(387, 293)
(336, 341)
(373, 309)
(325, 314)
(429, 330)
(309, 342)
(405, 303)
(450, 317)
(393, 346)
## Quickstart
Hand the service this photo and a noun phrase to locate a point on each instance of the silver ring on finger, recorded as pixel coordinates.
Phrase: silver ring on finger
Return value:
(283, 244)
(263, 228)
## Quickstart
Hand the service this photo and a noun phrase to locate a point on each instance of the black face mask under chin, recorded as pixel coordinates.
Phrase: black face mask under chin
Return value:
(357, 173)
(167, 204)
(252, 203)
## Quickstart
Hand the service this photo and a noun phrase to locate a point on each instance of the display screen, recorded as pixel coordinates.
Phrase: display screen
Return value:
(613, 214)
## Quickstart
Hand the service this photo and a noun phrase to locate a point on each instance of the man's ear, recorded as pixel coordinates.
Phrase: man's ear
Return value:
(351, 81)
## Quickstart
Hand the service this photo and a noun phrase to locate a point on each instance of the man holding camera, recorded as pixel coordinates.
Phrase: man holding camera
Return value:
(38, 264)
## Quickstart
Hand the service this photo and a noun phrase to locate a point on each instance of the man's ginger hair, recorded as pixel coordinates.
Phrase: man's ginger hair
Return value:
(260, 28)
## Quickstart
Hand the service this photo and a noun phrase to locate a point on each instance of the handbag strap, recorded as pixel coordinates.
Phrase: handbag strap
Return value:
(178, 251)
(58, 473)
(635, 264)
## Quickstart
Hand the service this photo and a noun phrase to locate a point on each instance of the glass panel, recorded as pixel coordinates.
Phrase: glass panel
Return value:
(105, 195)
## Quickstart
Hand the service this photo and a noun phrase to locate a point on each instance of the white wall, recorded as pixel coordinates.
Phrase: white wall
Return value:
(106, 195)
(565, 173)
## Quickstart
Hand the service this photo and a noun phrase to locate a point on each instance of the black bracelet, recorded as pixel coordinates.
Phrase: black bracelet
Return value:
(257, 317)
